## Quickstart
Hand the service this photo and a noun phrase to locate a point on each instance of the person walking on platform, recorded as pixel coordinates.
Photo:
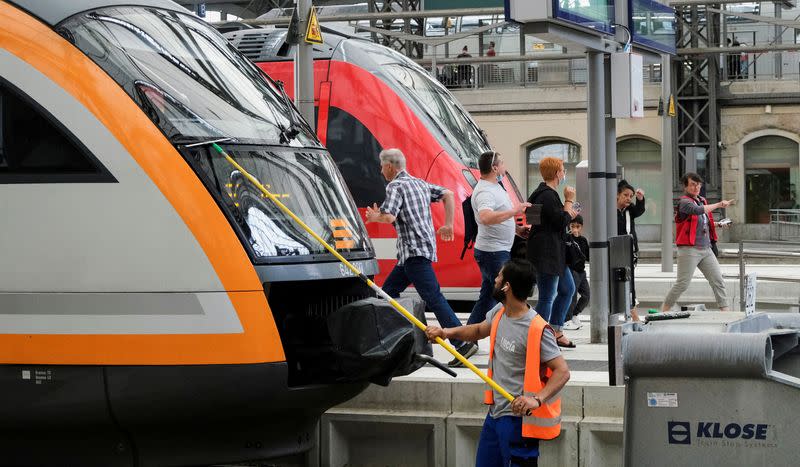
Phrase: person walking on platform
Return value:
(408, 207)
(627, 212)
(695, 229)
(494, 215)
(547, 247)
(524, 359)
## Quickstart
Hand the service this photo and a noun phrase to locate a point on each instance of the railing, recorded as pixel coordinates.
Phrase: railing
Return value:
(496, 73)
(784, 224)
(760, 66)
(743, 254)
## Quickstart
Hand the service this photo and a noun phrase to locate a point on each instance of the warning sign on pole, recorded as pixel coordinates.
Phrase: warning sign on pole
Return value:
(313, 32)
(671, 111)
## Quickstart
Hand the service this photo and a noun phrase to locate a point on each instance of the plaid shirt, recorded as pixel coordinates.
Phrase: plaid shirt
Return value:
(409, 200)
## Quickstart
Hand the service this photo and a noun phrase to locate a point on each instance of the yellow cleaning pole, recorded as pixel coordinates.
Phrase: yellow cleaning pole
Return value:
(358, 273)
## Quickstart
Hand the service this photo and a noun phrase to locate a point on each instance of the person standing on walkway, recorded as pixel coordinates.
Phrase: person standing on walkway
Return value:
(627, 212)
(523, 359)
(408, 207)
(547, 247)
(495, 215)
(573, 323)
(695, 229)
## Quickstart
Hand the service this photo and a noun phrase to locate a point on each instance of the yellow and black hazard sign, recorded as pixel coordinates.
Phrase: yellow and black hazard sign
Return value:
(313, 31)
(671, 109)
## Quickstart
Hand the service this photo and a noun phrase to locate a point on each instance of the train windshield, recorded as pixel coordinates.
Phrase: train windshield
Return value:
(452, 121)
(188, 79)
(196, 88)
(306, 181)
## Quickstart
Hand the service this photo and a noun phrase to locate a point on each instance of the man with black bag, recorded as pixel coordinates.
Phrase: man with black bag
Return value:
(494, 214)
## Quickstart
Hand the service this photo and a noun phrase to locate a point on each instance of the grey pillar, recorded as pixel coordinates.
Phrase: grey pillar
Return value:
(778, 41)
(667, 157)
(304, 67)
(611, 154)
(598, 231)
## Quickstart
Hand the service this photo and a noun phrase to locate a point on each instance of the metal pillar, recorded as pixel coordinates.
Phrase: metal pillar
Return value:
(597, 187)
(304, 68)
(611, 154)
(667, 156)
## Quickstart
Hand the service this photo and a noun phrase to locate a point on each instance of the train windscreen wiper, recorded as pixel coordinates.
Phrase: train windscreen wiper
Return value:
(290, 133)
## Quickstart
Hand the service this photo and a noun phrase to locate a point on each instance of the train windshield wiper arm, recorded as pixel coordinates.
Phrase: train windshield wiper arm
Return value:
(290, 133)
(200, 142)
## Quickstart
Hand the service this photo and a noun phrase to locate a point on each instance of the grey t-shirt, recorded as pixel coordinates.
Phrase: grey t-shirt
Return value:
(510, 350)
(496, 237)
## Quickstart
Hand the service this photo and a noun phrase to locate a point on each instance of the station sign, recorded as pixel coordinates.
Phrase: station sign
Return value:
(652, 25)
(595, 15)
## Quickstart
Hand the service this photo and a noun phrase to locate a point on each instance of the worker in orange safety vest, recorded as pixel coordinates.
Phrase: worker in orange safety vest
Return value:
(524, 359)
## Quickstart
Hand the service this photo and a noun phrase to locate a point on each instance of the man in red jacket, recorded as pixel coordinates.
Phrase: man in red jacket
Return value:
(695, 230)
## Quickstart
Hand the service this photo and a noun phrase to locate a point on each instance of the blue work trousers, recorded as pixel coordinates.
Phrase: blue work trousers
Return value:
(502, 445)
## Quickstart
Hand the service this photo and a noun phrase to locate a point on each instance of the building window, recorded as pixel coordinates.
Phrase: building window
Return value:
(641, 160)
(568, 152)
(36, 148)
(771, 177)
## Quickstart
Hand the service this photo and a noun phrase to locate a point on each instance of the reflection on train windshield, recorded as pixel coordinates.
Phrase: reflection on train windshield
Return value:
(453, 122)
(306, 181)
(184, 75)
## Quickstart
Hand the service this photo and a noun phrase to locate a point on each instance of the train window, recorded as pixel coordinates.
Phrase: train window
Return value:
(185, 77)
(35, 148)
(355, 151)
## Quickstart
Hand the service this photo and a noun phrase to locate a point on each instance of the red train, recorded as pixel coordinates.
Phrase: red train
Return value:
(369, 97)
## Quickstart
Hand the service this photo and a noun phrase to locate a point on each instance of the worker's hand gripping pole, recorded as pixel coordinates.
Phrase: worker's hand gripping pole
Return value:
(358, 273)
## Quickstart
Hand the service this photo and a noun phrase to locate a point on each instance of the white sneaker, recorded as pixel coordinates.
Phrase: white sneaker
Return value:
(573, 325)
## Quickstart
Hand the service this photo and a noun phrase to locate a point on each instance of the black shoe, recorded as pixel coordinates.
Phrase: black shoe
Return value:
(467, 350)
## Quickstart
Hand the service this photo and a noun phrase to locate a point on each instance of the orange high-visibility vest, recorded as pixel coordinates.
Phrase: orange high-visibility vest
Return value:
(545, 421)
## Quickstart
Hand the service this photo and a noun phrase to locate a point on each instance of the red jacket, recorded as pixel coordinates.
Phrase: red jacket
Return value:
(686, 228)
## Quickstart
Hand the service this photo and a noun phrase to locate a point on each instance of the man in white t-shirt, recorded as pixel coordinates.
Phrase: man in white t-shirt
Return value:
(495, 215)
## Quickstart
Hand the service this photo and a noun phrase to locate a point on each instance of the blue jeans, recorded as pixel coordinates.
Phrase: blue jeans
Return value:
(490, 263)
(555, 296)
(501, 444)
(417, 270)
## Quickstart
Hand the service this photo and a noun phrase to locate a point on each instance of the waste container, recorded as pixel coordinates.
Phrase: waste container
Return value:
(713, 389)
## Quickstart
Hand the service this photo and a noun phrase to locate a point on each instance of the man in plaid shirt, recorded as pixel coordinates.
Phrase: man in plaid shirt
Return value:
(407, 206)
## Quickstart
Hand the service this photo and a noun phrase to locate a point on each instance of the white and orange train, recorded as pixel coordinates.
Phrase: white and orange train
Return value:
(155, 309)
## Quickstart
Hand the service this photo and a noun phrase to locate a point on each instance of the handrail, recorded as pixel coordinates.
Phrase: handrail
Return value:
(776, 254)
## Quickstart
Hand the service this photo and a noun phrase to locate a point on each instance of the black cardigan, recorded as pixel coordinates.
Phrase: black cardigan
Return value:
(636, 210)
(546, 250)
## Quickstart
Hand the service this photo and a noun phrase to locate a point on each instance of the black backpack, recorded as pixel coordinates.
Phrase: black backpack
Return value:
(470, 225)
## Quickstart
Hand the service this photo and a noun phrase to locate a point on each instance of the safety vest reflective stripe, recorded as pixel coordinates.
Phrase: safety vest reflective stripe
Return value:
(543, 422)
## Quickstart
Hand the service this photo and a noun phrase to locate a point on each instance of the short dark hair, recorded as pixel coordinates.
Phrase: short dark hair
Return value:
(519, 274)
(624, 185)
(690, 176)
(486, 161)
(578, 220)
